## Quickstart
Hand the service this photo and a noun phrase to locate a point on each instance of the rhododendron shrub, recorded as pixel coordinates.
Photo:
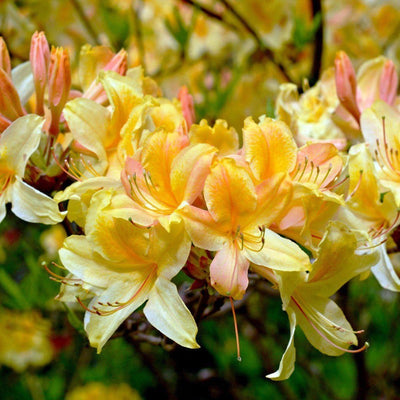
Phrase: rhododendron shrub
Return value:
(304, 202)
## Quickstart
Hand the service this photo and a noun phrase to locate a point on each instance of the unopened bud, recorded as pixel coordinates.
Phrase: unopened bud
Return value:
(187, 105)
(59, 85)
(5, 62)
(40, 59)
(118, 64)
(10, 104)
(346, 84)
(388, 83)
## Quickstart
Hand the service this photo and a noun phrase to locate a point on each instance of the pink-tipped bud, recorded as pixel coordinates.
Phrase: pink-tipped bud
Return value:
(10, 104)
(187, 105)
(346, 84)
(118, 63)
(388, 83)
(59, 85)
(40, 60)
(5, 62)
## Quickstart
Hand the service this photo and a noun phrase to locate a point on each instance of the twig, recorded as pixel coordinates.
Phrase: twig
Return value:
(318, 43)
(265, 50)
(85, 21)
(210, 13)
(262, 47)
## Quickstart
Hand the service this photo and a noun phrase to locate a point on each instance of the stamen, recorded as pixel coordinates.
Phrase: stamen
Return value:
(304, 169)
(117, 305)
(334, 186)
(326, 175)
(236, 330)
(365, 346)
(62, 167)
(61, 279)
(317, 174)
(356, 187)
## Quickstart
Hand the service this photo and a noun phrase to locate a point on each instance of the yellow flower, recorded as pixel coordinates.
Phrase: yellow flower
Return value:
(305, 296)
(24, 340)
(99, 391)
(123, 266)
(17, 144)
(236, 223)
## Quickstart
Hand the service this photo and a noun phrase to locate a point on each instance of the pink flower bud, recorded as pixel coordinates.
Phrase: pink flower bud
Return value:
(388, 83)
(187, 104)
(10, 104)
(118, 64)
(346, 84)
(40, 59)
(5, 62)
(59, 85)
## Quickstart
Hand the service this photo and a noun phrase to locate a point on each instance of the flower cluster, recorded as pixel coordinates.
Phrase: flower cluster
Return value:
(306, 201)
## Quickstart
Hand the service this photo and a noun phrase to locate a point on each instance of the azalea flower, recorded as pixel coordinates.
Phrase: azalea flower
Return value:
(121, 266)
(235, 226)
(306, 296)
(17, 144)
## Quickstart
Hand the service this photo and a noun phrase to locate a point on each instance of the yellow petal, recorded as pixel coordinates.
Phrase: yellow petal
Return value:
(337, 261)
(19, 141)
(166, 311)
(269, 147)
(286, 366)
(33, 206)
(202, 228)
(330, 331)
(384, 271)
(100, 328)
(88, 123)
(277, 253)
(220, 136)
(229, 193)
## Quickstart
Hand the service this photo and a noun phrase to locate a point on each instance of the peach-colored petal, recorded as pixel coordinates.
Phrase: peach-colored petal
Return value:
(190, 170)
(228, 271)
(318, 163)
(202, 228)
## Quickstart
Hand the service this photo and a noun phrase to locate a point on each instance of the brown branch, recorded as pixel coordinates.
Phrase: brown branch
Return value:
(210, 13)
(318, 43)
(264, 49)
(85, 21)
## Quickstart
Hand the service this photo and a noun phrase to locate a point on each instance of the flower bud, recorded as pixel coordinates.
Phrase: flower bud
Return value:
(187, 105)
(59, 85)
(346, 84)
(388, 83)
(10, 104)
(118, 63)
(40, 59)
(5, 62)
